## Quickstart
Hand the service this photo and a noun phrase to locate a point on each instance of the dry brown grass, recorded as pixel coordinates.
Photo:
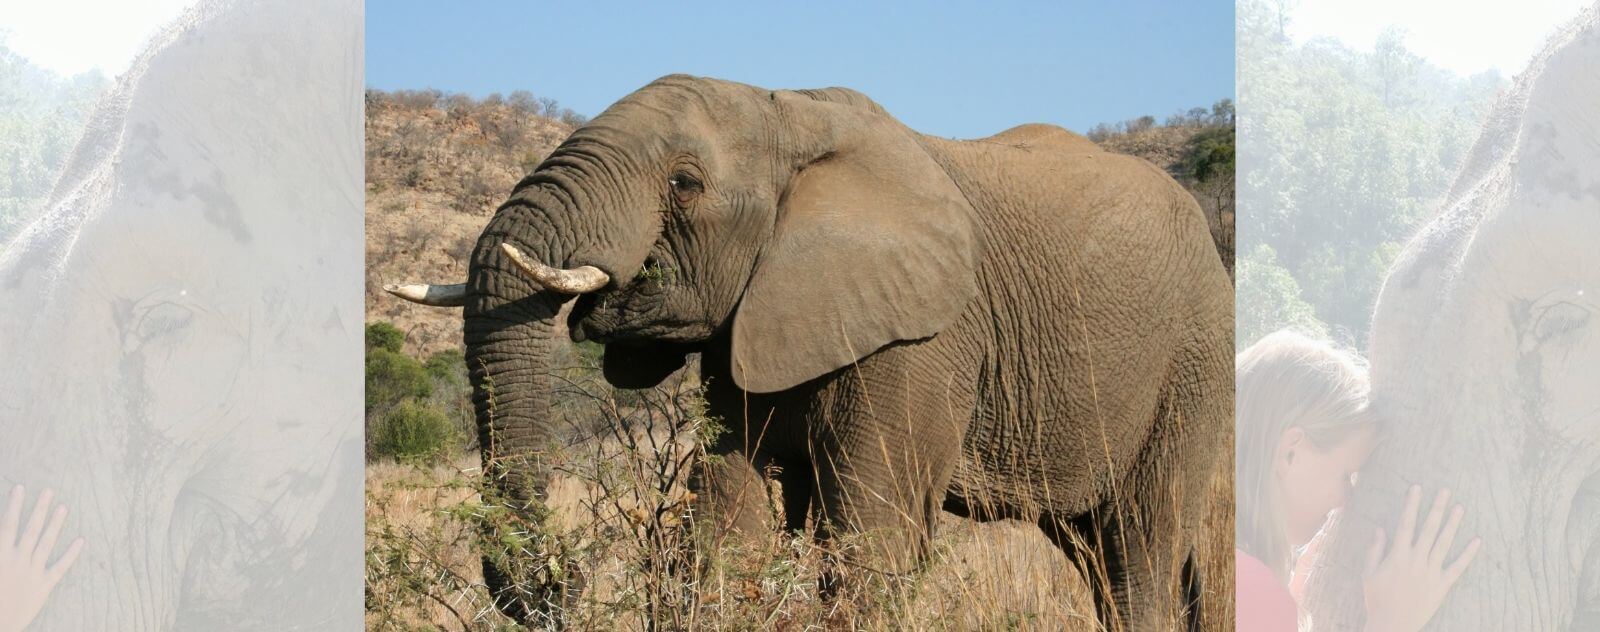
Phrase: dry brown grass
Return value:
(999, 575)
(620, 522)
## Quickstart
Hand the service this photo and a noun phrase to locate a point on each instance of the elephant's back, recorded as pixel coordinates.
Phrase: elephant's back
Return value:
(1061, 199)
(1029, 136)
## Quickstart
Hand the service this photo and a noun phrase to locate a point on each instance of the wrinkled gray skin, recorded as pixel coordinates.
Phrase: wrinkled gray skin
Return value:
(181, 333)
(1017, 327)
(1486, 366)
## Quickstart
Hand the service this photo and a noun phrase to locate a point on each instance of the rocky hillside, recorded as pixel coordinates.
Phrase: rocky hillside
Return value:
(438, 165)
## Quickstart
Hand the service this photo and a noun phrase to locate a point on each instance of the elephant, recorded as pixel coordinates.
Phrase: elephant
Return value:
(1484, 356)
(1018, 327)
(182, 332)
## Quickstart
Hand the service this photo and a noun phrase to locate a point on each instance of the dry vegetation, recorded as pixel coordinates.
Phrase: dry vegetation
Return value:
(620, 525)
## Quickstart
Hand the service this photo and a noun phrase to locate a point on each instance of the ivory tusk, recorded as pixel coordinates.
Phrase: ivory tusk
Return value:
(435, 295)
(581, 280)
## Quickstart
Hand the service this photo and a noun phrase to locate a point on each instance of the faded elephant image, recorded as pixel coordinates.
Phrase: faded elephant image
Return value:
(181, 332)
(1017, 327)
(1485, 367)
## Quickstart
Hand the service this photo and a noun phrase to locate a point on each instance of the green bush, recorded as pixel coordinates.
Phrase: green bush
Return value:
(413, 432)
(448, 367)
(382, 335)
(393, 378)
(452, 393)
(1209, 154)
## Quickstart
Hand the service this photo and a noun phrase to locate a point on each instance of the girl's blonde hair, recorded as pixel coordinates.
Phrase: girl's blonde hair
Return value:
(1287, 380)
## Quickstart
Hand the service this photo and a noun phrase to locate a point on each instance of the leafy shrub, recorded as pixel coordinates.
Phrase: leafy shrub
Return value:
(452, 393)
(392, 379)
(413, 432)
(382, 335)
(1209, 154)
(448, 366)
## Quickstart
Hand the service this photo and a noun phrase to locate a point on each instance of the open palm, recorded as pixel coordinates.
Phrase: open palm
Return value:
(25, 578)
(1405, 588)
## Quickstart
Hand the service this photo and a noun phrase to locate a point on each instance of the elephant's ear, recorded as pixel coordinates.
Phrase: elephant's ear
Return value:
(873, 244)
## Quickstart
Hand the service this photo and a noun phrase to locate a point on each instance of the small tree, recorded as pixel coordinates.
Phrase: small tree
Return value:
(382, 335)
(1141, 124)
(524, 102)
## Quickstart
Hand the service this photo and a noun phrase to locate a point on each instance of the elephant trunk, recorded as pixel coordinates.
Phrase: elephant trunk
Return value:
(509, 336)
(568, 229)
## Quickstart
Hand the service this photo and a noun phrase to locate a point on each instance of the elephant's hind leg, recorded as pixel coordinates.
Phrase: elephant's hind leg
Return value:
(1150, 552)
(798, 485)
(1120, 567)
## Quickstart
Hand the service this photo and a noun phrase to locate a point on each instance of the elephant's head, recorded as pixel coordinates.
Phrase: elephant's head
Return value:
(1485, 365)
(793, 231)
(181, 332)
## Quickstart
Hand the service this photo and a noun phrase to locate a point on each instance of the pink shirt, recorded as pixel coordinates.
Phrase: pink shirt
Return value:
(1261, 602)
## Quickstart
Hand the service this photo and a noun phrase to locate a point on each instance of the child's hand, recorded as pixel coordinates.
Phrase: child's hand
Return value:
(25, 579)
(1404, 589)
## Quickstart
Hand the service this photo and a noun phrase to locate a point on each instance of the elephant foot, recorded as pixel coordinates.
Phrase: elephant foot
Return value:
(537, 602)
(735, 503)
(1135, 583)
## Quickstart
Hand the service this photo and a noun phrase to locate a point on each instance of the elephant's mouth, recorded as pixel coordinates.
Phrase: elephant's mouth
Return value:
(618, 314)
(579, 321)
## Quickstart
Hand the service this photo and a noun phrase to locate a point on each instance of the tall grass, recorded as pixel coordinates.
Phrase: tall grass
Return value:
(618, 534)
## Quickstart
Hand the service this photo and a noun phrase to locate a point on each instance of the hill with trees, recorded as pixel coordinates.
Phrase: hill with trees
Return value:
(42, 115)
(1348, 152)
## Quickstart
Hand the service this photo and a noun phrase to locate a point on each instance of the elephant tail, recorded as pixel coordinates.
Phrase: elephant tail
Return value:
(1193, 590)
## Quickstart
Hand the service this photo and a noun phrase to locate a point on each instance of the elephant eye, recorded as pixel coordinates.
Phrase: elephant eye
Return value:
(1559, 319)
(1557, 316)
(685, 187)
(165, 321)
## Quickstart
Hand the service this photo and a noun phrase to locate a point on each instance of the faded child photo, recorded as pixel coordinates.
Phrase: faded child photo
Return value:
(1418, 442)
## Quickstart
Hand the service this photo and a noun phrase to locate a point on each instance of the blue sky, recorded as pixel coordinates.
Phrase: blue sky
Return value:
(956, 70)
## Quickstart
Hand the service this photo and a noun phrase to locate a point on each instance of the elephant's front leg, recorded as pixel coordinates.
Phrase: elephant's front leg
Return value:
(881, 463)
(733, 502)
